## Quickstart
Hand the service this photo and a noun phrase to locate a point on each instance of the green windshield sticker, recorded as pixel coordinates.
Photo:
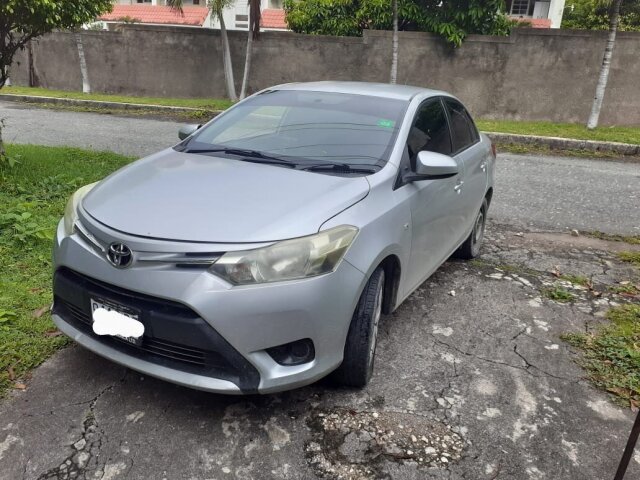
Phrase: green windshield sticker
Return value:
(386, 123)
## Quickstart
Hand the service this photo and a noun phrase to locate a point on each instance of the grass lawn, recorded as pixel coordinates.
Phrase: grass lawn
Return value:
(564, 130)
(33, 195)
(204, 103)
(611, 355)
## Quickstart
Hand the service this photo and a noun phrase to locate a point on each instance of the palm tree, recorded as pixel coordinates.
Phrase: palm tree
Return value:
(394, 54)
(606, 63)
(86, 87)
(253, 34)
(217, 8)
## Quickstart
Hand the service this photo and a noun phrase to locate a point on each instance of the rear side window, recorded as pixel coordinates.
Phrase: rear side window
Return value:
(429, 131)
(463, 131)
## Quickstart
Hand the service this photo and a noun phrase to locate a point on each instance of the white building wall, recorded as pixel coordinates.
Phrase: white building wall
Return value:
(556, 10)
(538, 9)
(234, 15)
(231, 19)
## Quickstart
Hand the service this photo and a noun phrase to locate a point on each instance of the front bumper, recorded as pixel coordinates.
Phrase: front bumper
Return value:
(237, 324)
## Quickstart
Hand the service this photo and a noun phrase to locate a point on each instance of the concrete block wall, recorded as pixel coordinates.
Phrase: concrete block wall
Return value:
(531, 75)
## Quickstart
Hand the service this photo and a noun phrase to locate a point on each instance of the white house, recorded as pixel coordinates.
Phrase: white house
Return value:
(541, 14)
(196, 13)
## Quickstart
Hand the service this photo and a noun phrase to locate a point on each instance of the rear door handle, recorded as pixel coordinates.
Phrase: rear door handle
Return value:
(483, 166)
(458, 186)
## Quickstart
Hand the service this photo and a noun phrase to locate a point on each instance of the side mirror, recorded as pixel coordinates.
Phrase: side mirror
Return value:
(187, 130)
(432, 166)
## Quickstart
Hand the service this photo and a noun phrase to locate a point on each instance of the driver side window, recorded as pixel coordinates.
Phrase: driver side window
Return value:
(429, 131)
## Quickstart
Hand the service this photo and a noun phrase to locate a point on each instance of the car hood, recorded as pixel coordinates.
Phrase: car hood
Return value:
(192, 197)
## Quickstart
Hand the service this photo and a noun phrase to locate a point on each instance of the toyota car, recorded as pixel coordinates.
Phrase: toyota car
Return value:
(259, 253)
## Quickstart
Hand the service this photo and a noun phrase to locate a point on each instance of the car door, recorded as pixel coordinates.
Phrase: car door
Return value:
(435, 204)
(468, 150)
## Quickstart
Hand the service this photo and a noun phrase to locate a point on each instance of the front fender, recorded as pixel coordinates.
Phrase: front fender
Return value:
(384, 222)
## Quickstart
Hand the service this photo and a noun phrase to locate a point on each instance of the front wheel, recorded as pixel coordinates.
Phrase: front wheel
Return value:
(471, 246)
(360, 347)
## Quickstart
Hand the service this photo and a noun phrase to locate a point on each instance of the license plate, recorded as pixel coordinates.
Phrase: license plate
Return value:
(121, 309)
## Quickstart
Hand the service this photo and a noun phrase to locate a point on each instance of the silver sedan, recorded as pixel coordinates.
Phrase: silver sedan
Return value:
(258, 254)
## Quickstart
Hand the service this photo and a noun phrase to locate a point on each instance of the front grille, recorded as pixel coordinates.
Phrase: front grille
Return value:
(175, 336)
(163, 348)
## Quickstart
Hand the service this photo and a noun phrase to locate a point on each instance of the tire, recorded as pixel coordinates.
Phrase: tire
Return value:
(471, 246)
(360, 348)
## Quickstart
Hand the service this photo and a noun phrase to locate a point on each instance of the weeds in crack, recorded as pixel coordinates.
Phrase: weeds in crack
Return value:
(630, 257)
(630, 239)
(577, 280)
(611, 354)
(558, 294)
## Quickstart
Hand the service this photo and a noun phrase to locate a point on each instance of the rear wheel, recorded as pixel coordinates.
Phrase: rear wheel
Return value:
(471, 246)
(360, 347)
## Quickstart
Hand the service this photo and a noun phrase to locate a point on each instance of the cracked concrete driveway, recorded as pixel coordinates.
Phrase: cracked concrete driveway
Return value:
(472, 381)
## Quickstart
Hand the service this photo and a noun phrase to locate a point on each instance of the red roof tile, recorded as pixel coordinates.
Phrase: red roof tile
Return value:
(158, 14)
(273, 18)
(535, 22)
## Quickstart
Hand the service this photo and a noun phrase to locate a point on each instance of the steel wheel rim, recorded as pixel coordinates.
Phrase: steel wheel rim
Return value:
(478, 230)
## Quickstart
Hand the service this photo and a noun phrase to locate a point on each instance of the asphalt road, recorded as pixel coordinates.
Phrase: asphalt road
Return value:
(532, 192)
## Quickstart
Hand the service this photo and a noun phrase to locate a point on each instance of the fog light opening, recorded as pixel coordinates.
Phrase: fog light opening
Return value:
(293, 353)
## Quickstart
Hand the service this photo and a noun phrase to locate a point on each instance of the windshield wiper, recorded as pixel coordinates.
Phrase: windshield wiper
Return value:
(248, 155)
(341, 168)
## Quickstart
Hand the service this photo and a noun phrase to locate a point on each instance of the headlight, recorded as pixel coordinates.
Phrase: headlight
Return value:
(287, 260)
(71, 210)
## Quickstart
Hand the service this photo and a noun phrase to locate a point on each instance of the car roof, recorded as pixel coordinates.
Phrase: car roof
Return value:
(383, 90)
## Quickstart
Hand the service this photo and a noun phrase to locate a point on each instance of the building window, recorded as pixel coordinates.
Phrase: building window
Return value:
(196, 2)
(522, 7)
(144, 1)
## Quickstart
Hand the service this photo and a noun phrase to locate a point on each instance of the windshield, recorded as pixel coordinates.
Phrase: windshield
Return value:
(307, 127)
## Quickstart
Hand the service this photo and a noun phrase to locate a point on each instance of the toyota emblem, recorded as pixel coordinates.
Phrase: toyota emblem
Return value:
(119, 255)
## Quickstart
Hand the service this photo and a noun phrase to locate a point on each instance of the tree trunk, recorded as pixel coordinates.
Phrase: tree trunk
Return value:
(606, 66)
(33, 81)
(253, 34)
(86, 88)
(226, 58)
(394, 54)
(247, 66)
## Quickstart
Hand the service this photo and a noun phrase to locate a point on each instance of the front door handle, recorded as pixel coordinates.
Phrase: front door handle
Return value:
(483, 166)
(458, 186)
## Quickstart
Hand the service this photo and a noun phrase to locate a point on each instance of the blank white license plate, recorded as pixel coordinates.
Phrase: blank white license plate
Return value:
(126, 311)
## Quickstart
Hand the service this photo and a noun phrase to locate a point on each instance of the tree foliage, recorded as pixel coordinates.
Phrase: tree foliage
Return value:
(595, 15)
(452, 19)
(24, 20)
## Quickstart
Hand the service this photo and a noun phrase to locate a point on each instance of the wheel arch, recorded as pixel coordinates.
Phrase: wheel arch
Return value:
(489, 196)
(392, 270)
(392, 266)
